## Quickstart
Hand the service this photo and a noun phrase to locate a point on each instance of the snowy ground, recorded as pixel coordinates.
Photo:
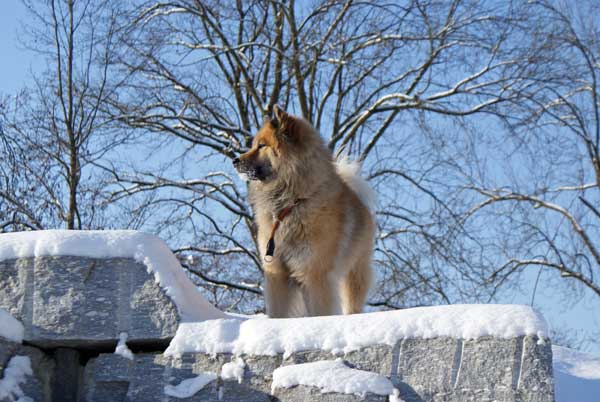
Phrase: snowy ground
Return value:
(576, 375)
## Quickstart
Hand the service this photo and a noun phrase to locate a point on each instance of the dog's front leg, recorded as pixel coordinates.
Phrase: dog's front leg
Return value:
(282, 294)
(320, 294)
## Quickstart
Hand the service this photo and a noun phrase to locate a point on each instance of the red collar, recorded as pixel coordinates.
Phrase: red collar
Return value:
(271, 244)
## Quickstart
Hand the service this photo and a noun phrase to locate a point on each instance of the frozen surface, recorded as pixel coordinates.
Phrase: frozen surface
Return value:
(331, 376)
(122, 348)
(14, 375)
(233, 370)
(576, 375)
(190, 386)
(10, 327)
(260, 336)
(143, 247)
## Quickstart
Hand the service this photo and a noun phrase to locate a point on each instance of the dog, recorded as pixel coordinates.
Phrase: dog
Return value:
(314, 218)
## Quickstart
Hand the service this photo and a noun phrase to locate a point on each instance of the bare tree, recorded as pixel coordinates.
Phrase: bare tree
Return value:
(56, 124)
(553, 210)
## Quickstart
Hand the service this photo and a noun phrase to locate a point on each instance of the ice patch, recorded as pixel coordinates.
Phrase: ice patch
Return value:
(122, 348)
(144, 248)
(190, 386)
(331, 376)
(14, 375)
(233, 370)
(10, 327)
(342, 334)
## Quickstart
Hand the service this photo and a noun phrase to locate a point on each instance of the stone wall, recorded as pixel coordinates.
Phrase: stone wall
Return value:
(74, 308)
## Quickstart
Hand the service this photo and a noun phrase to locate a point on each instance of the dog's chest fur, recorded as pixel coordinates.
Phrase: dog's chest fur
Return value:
(301, 231)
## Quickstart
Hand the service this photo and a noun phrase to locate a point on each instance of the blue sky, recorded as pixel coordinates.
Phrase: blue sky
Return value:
(16, 62)
(582, 315)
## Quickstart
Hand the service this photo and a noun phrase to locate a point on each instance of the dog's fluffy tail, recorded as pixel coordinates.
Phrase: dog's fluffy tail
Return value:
(349, 171)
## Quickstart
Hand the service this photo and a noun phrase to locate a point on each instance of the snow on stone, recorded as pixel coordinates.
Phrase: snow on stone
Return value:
(352, 332)
(143, 247)
(122, 348)
(14, 375)
(576, 375)
(233, 370)
(10, 327)
(190, 386)
(395, 396)
(331, 376)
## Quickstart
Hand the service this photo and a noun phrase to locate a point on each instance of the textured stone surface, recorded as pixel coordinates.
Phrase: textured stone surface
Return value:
(302, 393)
(84, 302)
(38, 385)
(424, 370)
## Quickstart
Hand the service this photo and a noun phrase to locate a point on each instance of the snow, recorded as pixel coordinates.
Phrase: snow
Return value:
(122, 348)
(233, 370)
(395, 396)
(576, 375)
(14, 375)
(342, 334)
(190, 386)
(331, 376)
(10, 327)
(144, 248)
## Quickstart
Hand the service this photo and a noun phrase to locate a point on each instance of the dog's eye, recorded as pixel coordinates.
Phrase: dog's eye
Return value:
(261, 145)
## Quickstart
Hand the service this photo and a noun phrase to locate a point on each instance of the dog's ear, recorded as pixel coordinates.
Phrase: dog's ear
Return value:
(279, 116)
(285, 123)
(278, 113)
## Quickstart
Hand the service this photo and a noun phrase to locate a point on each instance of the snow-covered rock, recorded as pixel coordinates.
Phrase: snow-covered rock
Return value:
(190, 386)
(234, 370)
(122, 349)
(15, 373)
(26, 372)
(337, 334)
(144, 248)
(331, 376)
(77, 288)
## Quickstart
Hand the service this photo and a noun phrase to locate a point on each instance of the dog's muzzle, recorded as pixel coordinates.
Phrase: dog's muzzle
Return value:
(251, 172)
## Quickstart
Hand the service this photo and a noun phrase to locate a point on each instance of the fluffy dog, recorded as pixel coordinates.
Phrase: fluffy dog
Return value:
(315, 226)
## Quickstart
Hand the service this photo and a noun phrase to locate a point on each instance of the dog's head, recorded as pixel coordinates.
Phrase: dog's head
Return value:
(276, 137)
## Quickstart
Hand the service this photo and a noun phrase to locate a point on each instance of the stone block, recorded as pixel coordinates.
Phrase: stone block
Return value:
(303, 393)
(536, 380)
(85, 302)
(426, 367)
(423, 370)
(488, 363)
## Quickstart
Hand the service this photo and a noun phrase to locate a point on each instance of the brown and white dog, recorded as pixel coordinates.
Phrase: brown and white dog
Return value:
(315, 225)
